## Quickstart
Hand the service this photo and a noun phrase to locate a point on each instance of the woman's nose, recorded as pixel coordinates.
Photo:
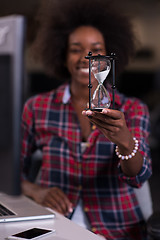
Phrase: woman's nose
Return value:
(83, 56)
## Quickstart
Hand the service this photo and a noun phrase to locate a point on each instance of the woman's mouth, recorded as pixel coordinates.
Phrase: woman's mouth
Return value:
(84, 70)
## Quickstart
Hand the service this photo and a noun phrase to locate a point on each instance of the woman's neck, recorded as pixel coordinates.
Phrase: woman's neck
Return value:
(79, 92)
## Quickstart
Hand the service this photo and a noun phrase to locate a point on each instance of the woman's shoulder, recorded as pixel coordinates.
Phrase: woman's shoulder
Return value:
(42, 99)
(131, 103)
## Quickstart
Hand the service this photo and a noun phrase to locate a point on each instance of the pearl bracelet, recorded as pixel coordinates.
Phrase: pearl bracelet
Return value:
(130, 155)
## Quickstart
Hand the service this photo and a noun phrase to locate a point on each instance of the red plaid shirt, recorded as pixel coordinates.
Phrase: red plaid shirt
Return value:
(49, 122)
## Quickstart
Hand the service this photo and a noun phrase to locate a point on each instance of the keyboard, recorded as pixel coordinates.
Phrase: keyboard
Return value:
(5, 211)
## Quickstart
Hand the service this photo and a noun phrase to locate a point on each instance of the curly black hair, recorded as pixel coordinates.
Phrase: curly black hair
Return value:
(57, 19)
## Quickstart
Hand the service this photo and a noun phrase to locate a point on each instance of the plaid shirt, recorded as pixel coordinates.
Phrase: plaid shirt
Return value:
(49, 122)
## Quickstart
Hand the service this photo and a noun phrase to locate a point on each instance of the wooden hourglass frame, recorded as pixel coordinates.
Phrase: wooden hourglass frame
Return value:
(99, 57)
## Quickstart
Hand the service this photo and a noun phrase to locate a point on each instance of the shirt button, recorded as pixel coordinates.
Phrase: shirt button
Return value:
(93, 127)
(86, 209)
(80, 187)
(79, 165)
(93, 229)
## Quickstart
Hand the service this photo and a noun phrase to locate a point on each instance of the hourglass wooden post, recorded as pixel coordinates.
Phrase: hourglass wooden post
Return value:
(113, 58)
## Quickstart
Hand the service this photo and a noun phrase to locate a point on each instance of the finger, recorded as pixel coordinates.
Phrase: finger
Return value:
(106, 113)
(103, 120)
(62, 200)
(115, 114)
(87, 112)
(52, 203)
(103, 126)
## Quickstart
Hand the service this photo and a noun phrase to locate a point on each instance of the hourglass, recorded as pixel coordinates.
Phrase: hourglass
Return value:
(100, 66)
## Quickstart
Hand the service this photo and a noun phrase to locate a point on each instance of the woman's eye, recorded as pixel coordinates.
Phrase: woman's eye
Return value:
(98, 50)
(74, 50)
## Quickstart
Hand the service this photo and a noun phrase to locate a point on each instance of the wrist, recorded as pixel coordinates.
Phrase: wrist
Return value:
(125, 155)
(29, 189)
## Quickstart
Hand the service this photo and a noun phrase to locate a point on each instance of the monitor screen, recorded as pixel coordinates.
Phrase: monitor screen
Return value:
(12, 37)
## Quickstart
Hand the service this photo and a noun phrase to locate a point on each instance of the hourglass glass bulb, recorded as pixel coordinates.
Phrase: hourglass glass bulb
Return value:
(100, 99)
(100, 68)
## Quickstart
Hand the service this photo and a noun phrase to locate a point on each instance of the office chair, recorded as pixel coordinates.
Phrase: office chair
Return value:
(153, 226)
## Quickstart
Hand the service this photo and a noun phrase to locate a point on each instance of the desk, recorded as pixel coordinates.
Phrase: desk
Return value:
(65, 229)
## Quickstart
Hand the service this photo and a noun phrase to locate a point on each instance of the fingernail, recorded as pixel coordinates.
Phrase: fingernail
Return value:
(88, 113)
(70, 209)
(104, 110)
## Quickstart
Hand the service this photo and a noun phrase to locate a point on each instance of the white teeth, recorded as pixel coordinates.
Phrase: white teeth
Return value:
(85, 70)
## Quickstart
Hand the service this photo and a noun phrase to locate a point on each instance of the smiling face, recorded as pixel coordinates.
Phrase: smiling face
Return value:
(81, 41)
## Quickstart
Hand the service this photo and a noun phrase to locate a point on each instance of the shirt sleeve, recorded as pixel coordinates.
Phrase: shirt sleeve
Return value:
(27, 142)
(138, 122)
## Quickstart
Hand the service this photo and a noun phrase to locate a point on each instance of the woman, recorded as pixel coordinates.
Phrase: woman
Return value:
(91, 161)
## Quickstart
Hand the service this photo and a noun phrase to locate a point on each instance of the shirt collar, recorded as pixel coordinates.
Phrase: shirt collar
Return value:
(66, 95)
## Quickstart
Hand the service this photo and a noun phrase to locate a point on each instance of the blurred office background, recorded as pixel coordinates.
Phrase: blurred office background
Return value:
(141, 78)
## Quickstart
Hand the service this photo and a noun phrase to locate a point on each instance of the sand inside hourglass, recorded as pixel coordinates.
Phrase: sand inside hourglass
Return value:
(101, 76)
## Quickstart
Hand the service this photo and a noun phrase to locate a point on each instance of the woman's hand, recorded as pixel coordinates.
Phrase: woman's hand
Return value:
(49, 197)
(113, 125)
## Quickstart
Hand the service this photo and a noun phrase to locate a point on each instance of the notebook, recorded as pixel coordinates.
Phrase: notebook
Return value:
(21, 208)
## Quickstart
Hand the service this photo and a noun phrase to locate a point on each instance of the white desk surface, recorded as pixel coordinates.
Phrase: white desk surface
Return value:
(65, 229)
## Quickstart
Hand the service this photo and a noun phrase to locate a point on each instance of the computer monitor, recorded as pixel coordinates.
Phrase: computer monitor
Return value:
(12, 40)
